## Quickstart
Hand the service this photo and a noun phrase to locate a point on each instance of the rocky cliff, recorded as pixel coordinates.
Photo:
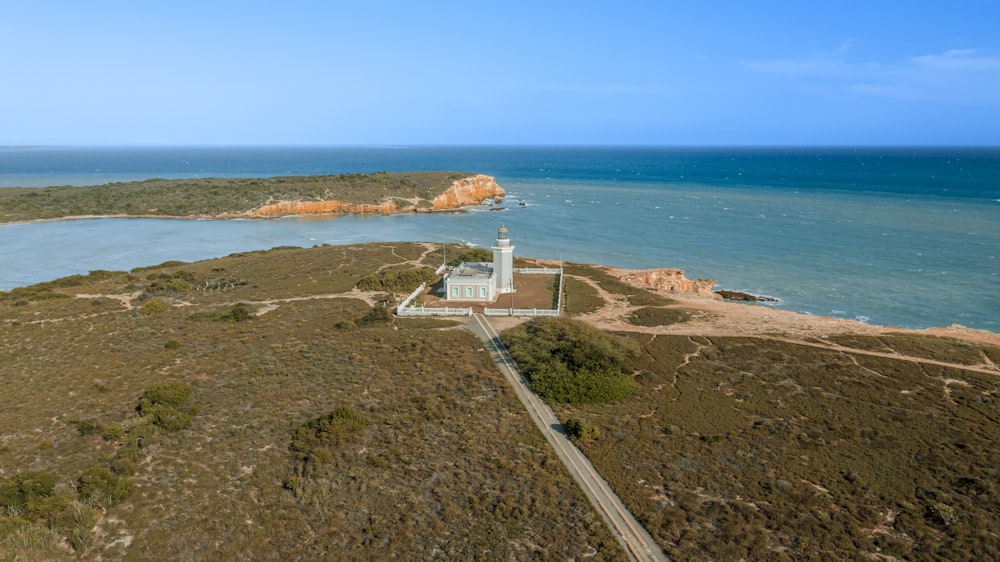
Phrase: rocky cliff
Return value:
(666, 279)
(467, 191)
(285, 208)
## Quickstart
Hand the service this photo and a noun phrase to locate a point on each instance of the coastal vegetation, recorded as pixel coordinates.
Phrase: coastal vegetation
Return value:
(308, 438)
(210, 197)
(401, 281)
(314, 424)
(732, 447)
(569, 361)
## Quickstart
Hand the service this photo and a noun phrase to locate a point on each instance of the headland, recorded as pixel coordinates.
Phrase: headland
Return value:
(253, 198)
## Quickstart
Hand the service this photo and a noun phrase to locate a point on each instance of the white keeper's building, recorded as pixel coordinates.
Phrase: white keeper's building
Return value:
(483, 281)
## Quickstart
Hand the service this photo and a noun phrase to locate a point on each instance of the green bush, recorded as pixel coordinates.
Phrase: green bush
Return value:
(159, 405)
(397, 281)
(467, 254)
(113, 432)
(76, 522)
(331, 430)
(571, 362)
(25, 490)
(238, 312)
(171, 393)
(167, 418)
(153, 306)
(581, 429)
(942, 513)
(378, 316)
(99, 486)
(88, 427)
(170, 286)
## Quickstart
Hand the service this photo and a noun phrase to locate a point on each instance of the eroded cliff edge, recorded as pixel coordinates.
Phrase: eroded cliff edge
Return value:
(463, 192)
(667, 280)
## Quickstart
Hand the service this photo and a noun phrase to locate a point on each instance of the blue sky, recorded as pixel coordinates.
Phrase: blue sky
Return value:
(356, 72)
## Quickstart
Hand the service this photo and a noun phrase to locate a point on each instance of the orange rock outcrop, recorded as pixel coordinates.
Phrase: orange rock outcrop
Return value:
(467, 191)
(286, 208)
(666, 279)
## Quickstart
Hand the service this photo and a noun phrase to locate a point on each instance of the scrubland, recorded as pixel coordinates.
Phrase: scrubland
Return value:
(319, 426)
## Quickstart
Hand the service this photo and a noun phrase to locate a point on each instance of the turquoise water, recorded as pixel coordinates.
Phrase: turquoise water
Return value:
(904, 237)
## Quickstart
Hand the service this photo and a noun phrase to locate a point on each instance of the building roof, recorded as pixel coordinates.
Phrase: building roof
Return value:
(472, 271)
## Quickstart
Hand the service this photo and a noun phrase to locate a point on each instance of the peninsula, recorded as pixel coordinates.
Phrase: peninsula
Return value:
(269, 402)
(228, 198)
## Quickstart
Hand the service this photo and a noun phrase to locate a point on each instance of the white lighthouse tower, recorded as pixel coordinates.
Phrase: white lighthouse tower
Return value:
(503, 262)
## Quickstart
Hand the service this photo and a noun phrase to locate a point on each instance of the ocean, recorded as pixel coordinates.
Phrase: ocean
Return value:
(906, 237)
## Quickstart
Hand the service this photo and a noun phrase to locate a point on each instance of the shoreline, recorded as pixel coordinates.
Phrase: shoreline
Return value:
(716, 315)
(234, 217)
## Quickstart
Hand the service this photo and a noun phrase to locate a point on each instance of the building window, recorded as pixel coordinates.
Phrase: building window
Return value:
(482, 292)
(468, 291)
(454, 291)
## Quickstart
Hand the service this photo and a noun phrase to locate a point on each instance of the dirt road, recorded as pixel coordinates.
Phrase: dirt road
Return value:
(637, 541)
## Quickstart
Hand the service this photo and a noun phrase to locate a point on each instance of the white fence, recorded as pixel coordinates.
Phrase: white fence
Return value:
(559, 291)
(539, 270)
(422, 311)
(406, 302)
(404, 308)
(520, 312)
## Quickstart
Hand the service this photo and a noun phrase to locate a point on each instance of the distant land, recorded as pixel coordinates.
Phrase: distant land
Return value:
(267, 405)
(218, 198)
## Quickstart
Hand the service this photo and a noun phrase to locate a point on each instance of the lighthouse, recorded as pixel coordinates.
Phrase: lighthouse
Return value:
(503, 262)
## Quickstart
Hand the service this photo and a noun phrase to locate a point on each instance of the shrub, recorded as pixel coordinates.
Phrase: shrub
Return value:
(24, 489)
(159, 405)
(331, 430)
(172, 344)
(238, 312)
(48, 295)
(571, 362)
(32, 536)
(153, 306)
(942, 513)
(89, 427)
(171, 393)
(76, 521)
(378, 316)
(397, 281)
(581, 429)
(467, 254)
(113, 432)
(171, 263)
(99, 486)
(167, 418)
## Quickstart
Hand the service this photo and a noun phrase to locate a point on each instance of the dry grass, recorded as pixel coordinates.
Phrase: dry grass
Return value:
(732, 448)
(759, 449)
(448, 465)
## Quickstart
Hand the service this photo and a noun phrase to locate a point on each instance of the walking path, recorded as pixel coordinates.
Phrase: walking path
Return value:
(634, 538)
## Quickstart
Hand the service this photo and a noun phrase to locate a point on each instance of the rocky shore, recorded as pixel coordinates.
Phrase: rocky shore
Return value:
(463, 192)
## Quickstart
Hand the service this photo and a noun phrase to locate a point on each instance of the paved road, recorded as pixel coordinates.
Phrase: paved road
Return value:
(637, 542)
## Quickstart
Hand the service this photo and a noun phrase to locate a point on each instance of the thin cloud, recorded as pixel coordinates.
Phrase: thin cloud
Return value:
(954, 76)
